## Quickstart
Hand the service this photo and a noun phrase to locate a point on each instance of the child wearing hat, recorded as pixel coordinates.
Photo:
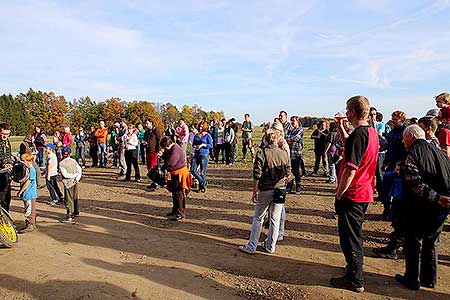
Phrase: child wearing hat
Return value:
(28, 194)
(71, 174)
(51, 175)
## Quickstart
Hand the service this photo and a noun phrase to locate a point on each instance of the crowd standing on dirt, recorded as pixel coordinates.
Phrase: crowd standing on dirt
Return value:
(402, 163)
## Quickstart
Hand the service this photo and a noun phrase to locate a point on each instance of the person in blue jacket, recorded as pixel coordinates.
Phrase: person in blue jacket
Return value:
(202, 143)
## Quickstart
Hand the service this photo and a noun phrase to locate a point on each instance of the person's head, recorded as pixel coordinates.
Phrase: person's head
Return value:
(247, 117)
(411, 134)
(282, 116)
(80, 130)
(66, 152)
(123, 123)
(37, 129)
(5, 131)
(372, 113)
(442, 100)
(413, 121)
(131, 128)
(28, 159)
(333, 126)
(295, 121)
(92, 129)
(67, 129)
(139, 126)
(202, 126)
(194, 129)
(321, 125)
(429, 125)
(181, 122)
(166, 143)
(56, 133)
(379, 117)
(398, 118)
(102, 124)
(28, 138)
(432, 113)
(50, 148)
(357, 109)
(398, 166)
(274, 134)
(149, 124)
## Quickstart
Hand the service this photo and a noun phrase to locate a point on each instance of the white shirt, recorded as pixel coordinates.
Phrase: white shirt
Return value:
(132, 142)
(52, 165)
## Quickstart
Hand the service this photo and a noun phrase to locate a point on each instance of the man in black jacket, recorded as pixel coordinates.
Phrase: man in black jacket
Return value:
(426, 175)
(5, 166)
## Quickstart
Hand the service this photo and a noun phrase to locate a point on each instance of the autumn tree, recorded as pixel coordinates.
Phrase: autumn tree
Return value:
(138, 111)
(187, 114)
(84, 112)
(111, 110)
(169, 113)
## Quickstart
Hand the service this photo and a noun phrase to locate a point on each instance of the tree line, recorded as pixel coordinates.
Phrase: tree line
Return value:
(51, 112)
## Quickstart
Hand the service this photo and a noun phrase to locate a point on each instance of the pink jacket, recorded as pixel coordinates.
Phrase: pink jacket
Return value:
(67, 139)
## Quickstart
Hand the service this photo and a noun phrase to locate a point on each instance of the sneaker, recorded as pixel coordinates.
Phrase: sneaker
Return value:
(121, 178)
(385, 252)
(175, 217)
(246, 250)
(67, 219)
(54, 202)
(263, 245)
(343, 283)
(28, 228)
(298, 189)
(202, 190)
(289, 187)
(403, 281)
(137, 180)
(152, 187)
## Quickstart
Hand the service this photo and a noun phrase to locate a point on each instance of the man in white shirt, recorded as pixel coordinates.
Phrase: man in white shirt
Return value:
(51, 175)
(71, 173)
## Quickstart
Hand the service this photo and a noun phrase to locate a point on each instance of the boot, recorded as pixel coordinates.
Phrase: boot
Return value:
(298, 189)
(289, 187)
(28, 228)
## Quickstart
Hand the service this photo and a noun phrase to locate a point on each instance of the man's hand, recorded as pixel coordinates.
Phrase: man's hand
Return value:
(254, 196)
(444, 201)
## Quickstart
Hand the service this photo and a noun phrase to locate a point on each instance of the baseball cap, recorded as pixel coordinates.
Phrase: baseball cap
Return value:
(432, 113)
(51, 146)
(66, 150)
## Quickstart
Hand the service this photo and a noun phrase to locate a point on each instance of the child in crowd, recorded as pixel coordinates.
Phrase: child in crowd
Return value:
(28, 194)
(71, 173)
(51, 175)
(443, 103)
(396, 193)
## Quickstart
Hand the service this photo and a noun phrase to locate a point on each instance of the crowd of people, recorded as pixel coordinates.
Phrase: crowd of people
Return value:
(402, 163)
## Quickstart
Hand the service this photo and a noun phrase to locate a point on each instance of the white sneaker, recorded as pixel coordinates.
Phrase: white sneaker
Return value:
(246, 250)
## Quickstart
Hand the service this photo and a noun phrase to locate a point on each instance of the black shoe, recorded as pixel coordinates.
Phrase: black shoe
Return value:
(385, 252)
(402, 280)
(202, 190)
(175, 217)
(343, 283)
(386, 215)
(170, 214)
(427, 284)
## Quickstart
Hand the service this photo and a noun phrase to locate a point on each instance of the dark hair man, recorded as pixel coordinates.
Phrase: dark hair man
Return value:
(5, 166)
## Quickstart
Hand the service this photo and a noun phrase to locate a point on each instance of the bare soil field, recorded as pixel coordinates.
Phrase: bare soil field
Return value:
(122, 247)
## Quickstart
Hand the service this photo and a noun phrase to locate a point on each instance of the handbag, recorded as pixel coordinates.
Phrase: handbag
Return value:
(279, 195)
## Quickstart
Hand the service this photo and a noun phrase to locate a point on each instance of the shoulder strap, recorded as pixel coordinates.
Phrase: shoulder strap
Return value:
(266, 166)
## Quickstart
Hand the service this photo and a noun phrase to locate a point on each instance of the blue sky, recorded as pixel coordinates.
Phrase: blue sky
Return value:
(306, 57)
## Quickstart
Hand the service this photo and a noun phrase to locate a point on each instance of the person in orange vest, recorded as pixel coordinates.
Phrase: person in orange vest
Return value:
(102, 135)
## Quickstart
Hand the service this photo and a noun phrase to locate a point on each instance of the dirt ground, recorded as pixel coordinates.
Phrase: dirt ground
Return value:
(122, 247)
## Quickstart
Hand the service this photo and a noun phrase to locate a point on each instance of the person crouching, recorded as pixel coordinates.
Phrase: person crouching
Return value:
(178, 178)
(71, 174)
(28, 194)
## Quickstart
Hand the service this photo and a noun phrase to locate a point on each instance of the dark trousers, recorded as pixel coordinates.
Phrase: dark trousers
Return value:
(396, 237)
(233, 152)
(142, 153)
(93, 153)
(219, 149)
(295, 166)
(53, 189)
(131, 159)
(178, 196)
(379, 172)
(228, 153)
(423, 229)
(323, 157)
(5, 192)
(350, 220)
(71, 200)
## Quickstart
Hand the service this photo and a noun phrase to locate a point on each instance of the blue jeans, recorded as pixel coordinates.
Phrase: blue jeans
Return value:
(102, 154)
(202, 161)
(53, 189)
(41, 160)
(80, 153)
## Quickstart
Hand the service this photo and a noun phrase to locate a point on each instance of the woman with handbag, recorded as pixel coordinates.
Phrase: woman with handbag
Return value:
(271, 172)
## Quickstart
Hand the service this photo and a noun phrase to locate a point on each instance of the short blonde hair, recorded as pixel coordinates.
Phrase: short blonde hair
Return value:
(444, 97)
(27, 157)
(360, 105)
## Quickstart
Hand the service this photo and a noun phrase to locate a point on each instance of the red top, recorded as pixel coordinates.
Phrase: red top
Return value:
(67, 139)
(361, 154)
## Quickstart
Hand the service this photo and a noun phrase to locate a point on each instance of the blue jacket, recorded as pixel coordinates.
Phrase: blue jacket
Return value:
(207, 140)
